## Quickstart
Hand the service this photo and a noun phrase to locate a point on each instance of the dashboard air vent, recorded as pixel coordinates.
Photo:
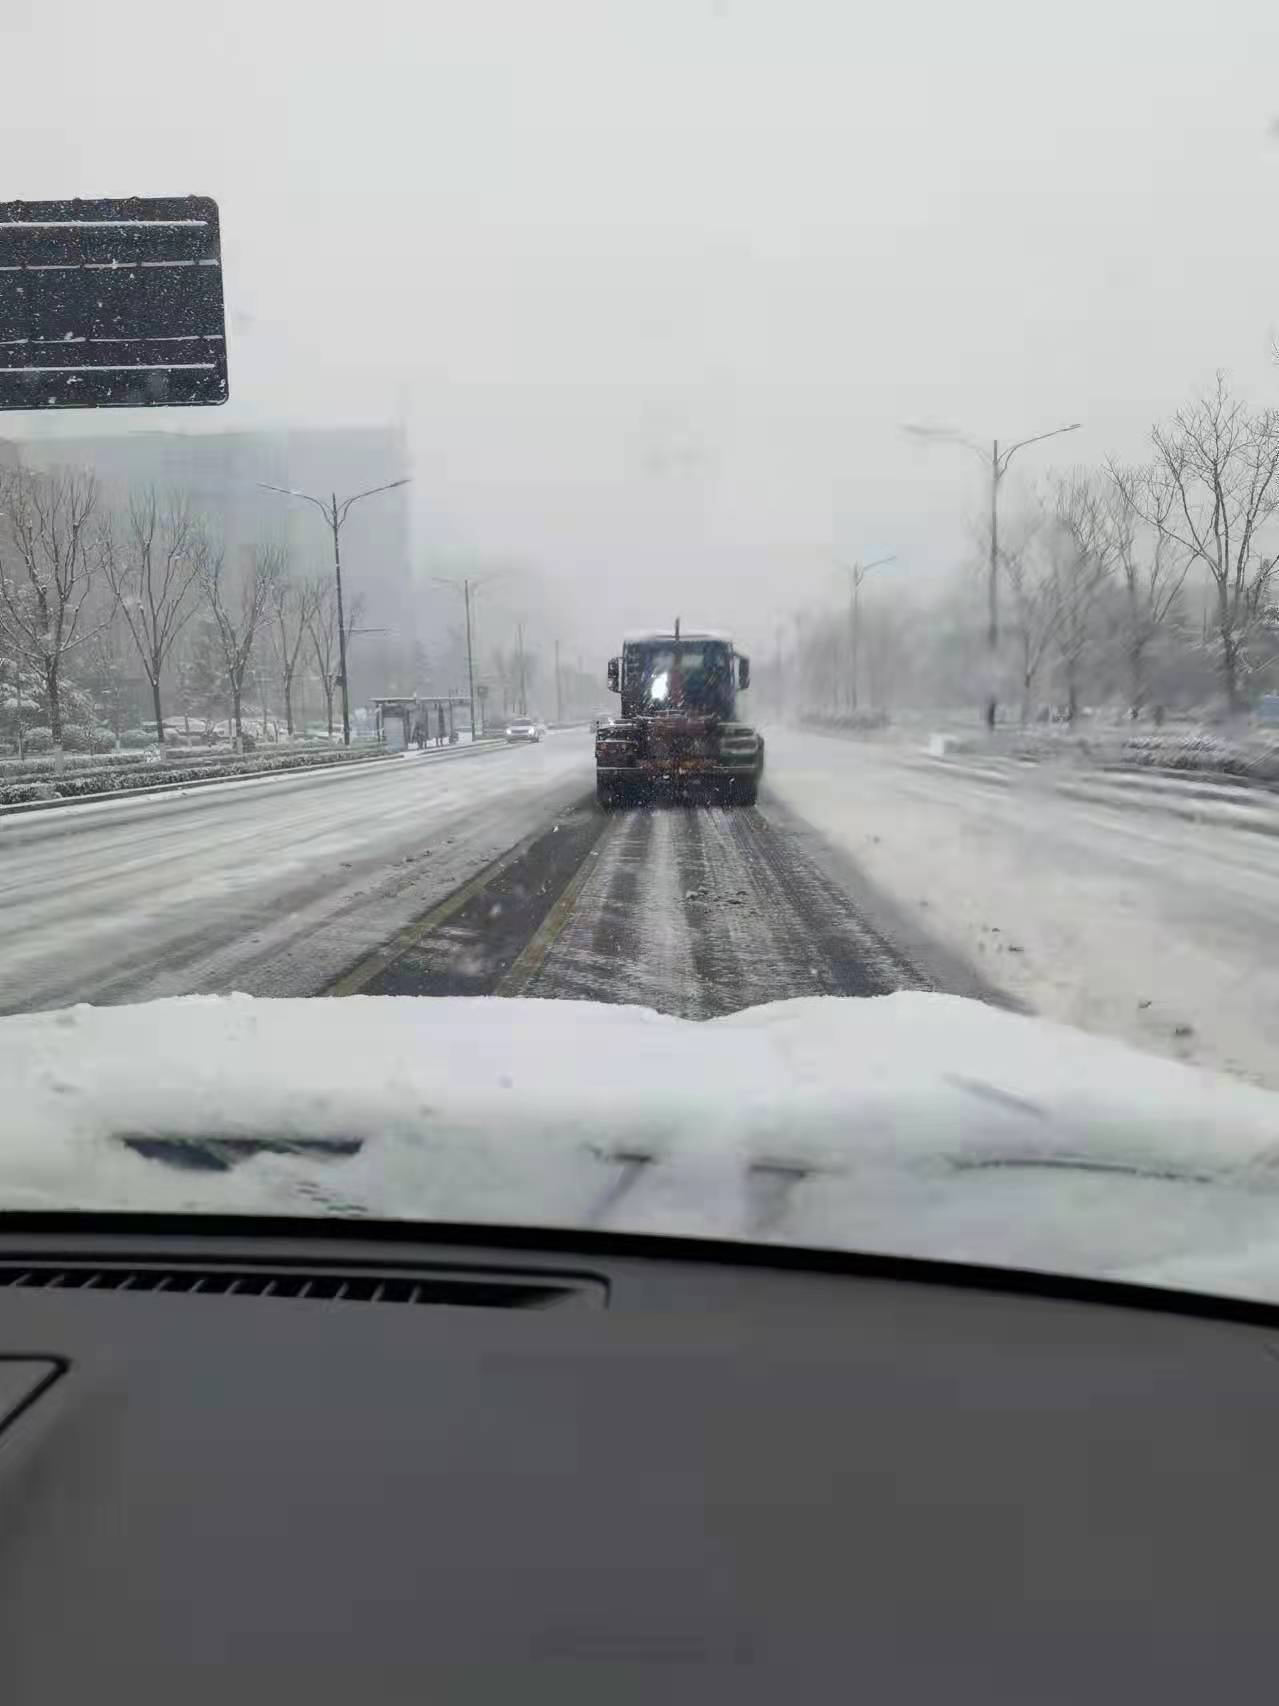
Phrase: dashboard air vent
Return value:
(476, 1287)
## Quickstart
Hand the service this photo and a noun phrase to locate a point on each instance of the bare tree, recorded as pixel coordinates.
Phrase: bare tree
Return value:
(502, 666)
(291, 604)
(201, 673)
(237, 604)
(822, 655)
(47, 571)
(1221, 460)
(103, 669)
(1035, 606)
(1081, 547)
(889, 633)
(529, 665)
(153, 570)
(322, 625)
(1152, 566)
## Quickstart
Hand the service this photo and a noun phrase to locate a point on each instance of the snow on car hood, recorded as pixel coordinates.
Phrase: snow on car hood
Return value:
(911, 1123)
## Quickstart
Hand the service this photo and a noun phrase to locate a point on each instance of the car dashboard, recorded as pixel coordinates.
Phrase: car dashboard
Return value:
(336, 1461)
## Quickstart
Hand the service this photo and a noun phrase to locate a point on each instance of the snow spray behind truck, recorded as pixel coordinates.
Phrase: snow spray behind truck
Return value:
(679, 723)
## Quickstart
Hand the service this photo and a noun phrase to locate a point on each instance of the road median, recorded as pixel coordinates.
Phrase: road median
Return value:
(134, 786)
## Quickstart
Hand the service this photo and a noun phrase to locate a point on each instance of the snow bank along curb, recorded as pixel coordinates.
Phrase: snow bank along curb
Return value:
(1182, 794)
(1208, 797)
(1220, 808)
(1200, 757)
(284, 771)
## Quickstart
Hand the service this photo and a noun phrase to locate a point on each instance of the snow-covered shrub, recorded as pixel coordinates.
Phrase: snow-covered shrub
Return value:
(1199, 750)
(863, 720)
(20, 793)
(126, 772)
(90, 782)
(83, 737)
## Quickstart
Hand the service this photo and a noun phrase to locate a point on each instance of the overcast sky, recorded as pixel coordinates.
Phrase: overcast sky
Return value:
(654, 284)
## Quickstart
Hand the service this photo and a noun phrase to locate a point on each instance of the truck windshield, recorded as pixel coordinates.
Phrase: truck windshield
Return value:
(677, 674)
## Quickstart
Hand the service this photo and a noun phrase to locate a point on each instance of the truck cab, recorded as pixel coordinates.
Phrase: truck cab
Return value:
(678, 726)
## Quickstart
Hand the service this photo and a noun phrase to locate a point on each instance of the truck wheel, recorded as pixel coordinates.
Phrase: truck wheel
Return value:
(743, 791)
(605, 794)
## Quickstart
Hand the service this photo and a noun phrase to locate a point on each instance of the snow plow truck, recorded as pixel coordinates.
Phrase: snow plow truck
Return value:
(678, 728)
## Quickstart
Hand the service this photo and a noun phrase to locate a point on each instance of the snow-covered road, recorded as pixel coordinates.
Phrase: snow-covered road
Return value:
(1099, 907)
(269, 886)
(867, 867)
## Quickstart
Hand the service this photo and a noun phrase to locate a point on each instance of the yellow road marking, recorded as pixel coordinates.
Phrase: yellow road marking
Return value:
(353, 981)
(529, 962)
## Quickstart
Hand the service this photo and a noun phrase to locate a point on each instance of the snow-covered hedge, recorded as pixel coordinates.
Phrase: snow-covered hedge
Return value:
(1193, 750)
(80, 739)
(32, 769)
(1257, 759)
(19, 793)
(116, 780)
(855, 722)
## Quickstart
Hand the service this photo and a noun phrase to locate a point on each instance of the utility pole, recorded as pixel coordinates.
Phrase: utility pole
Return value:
(559, 687)
(992, 614)
(468, 587)
(470, 655)
(335, 514)
(337, 575)
(857, 573)
(998, 462)
(519, 634)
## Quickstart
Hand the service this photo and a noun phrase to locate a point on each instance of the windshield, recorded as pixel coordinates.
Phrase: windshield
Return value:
(715, 667)
(669, 675)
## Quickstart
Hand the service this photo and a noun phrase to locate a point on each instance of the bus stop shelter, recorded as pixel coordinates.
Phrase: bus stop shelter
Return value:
(418, 721)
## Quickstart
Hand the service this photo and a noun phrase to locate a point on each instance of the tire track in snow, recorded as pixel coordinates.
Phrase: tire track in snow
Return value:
(768, 925)
(627, 938)
(698, 911)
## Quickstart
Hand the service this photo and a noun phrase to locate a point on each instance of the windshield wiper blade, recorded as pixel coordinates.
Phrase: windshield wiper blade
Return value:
(220, 1154)
(1085, 1164)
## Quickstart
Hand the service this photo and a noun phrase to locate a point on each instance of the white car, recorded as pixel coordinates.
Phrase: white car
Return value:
(524, 729)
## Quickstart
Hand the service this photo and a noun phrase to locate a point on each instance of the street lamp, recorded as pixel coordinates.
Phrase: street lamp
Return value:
(335, 514)
(998, 461)
(857, 573)
(465, 588)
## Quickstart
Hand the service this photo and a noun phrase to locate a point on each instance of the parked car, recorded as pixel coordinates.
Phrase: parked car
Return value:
(524, 729)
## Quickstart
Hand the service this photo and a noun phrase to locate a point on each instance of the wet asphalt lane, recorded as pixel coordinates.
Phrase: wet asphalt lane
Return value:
(692, 909)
